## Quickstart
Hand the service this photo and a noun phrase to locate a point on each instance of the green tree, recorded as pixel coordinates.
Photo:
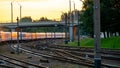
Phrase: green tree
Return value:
(87, 17)
(26, 19)
(110, 14)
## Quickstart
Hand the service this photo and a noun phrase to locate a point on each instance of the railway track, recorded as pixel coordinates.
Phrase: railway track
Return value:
(15, 63)
(85, 49)
(64, 54)
(54, 55)
(71, 54)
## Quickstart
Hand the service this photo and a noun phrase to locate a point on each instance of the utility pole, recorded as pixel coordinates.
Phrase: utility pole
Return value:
(97, 49)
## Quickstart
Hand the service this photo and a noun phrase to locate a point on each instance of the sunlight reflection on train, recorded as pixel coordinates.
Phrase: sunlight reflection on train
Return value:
(5, 36)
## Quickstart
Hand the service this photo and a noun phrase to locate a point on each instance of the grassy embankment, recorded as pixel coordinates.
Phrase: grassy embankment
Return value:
(112, 43)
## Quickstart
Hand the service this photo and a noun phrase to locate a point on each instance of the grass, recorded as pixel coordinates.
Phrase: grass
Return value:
(111, 43)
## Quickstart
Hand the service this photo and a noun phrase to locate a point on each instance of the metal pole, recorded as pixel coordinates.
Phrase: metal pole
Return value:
(74, 5)
(97, 56)
(70, 6)
(20, 12)
(55, 34)
(11, 12)
(73, 21)
(20, 21)
(46, 35)
(21, 34)
(78, 30)
(66, 20)
(70, 24)
(11, 35)
(17, 35)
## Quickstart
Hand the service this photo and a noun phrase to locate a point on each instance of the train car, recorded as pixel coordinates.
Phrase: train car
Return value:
(39, 35)
(2, 36)
(14, 36)
(33, 36)
(6, 36)
(23, 36)
(27, 36)
(60, 35)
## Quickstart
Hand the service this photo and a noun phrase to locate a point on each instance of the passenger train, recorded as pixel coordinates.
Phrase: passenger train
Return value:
(7, 36)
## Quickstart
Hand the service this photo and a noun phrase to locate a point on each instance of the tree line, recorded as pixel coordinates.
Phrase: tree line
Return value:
(29, 19)
(110, 17)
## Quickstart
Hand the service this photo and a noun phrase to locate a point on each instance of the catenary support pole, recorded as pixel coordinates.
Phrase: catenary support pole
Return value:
(78, 29)
(70, 23)
(11, 12)
(66, 34)
(97, 56)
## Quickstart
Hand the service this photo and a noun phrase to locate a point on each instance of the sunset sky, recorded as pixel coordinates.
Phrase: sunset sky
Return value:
(52, 9)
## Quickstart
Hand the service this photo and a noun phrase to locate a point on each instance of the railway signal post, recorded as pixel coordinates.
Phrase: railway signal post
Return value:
(97, 56)
(17, 35)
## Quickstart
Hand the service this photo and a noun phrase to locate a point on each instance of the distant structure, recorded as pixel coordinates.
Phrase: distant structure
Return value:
(74, 15)
(70, 21)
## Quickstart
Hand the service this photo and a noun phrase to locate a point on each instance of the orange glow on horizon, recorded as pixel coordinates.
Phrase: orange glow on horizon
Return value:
(52, 9)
